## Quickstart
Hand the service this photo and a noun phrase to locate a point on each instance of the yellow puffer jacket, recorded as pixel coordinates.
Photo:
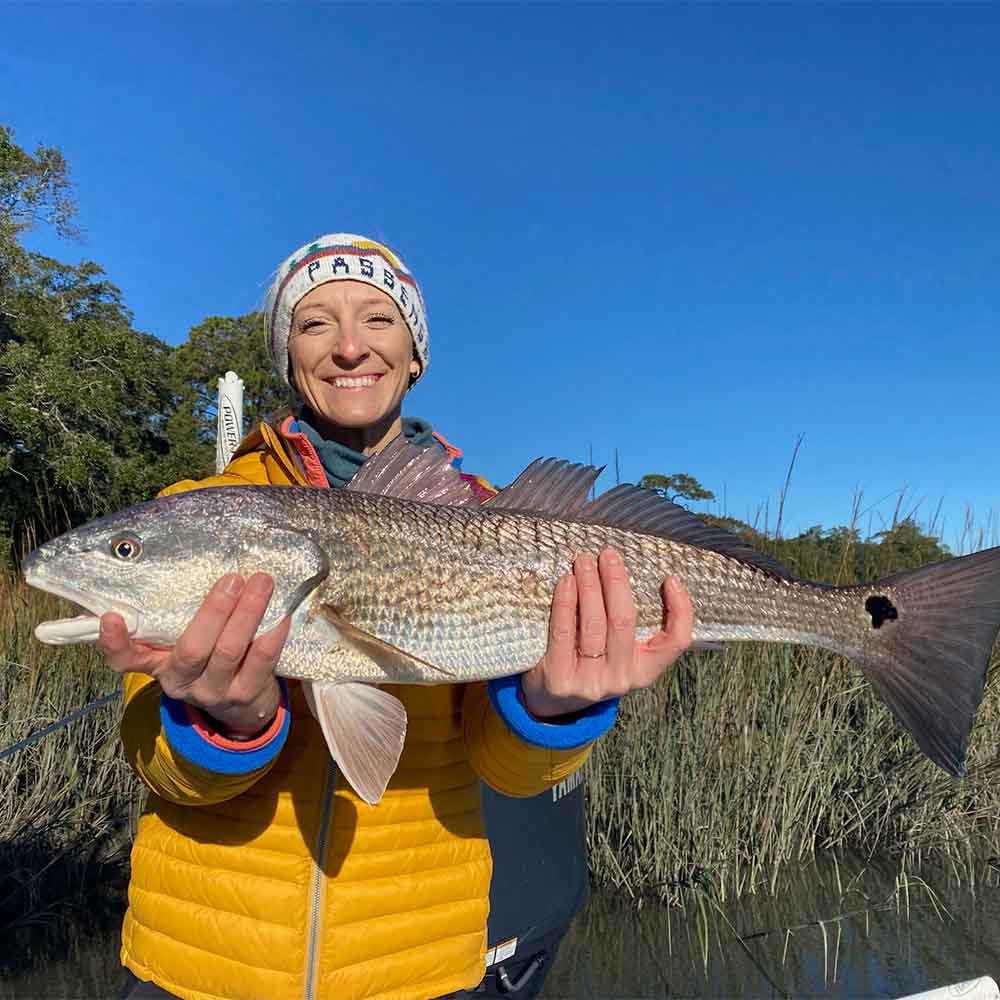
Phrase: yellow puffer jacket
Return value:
(281, 883)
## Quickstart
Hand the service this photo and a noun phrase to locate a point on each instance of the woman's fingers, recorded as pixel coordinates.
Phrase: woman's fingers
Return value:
(593, 611)
(620, 623)
(115, 644)
(547, 682)
(255, 677)
(217, 665)
(675, 638)
(237, 687)
(560, 655)
(592, 641)
(237, 634)
(122, 654)
(195, 646)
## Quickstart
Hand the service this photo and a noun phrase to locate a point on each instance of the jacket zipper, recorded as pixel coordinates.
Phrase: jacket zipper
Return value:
(326, 810)
(318, 881)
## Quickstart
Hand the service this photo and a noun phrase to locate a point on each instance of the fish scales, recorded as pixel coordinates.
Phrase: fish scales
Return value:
(470, 591)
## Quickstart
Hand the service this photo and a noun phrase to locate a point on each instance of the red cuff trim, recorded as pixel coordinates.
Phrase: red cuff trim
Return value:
(203, 727)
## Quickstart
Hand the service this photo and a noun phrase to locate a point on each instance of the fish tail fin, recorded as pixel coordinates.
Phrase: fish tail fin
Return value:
(930, 647)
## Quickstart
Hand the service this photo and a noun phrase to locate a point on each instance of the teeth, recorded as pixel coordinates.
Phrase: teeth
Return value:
(346, 382)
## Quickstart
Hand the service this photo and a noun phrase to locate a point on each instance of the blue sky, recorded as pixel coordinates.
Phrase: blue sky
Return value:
(691, 233)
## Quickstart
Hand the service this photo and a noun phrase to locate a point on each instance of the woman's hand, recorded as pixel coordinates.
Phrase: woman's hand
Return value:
(592, 652)
(216, 665)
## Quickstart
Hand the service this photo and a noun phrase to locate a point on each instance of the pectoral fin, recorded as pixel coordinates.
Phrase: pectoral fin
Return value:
(364, 728)
(391, 658)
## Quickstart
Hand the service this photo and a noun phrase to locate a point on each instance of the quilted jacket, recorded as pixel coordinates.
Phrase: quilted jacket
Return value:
(278, 882)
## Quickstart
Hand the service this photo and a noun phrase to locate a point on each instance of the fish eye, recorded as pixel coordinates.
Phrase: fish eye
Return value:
(128, 548)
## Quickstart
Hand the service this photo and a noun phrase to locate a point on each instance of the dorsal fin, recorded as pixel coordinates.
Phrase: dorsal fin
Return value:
(550, 486)
(558, 489)
(412, 472)
(637, 509)
(554, 488)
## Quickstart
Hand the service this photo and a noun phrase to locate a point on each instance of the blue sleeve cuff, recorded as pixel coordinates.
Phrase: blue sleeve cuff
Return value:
(584, 727)
(185, 739)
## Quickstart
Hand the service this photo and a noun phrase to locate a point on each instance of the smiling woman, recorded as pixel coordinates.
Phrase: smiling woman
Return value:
(257, 871)
(352, 361)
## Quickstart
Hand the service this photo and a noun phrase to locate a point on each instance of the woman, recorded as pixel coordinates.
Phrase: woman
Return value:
(255, 872)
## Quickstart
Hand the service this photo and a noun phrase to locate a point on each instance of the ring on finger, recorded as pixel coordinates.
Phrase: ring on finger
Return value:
(591, 656)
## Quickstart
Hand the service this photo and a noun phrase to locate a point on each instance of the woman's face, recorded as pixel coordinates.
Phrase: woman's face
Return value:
(351, 353)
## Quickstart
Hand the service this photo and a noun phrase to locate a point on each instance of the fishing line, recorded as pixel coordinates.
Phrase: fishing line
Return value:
(55, 726)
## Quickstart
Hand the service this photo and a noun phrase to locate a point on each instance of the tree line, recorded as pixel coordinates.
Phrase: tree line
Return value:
(96, 415)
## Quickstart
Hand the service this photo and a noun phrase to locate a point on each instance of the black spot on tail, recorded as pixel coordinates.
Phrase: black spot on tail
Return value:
(881, 609)
(930, 666)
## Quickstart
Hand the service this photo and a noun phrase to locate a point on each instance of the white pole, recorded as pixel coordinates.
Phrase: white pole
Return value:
(983, 988)
(229, 421)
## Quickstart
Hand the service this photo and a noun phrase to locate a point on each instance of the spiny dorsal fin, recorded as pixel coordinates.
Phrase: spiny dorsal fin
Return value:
(549, 486)
(558, 489)
(410, 472)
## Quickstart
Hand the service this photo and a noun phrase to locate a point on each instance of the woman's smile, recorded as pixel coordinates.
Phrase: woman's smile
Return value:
(354, 383)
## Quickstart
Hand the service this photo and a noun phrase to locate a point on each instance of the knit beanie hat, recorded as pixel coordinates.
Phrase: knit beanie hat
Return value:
(342, 256)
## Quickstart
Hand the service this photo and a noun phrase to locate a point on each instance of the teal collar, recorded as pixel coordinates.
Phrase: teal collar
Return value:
(341, 463)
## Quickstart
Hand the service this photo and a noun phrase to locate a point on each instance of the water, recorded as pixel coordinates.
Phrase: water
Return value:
(615, 951)
(895, 943)
(77, 962)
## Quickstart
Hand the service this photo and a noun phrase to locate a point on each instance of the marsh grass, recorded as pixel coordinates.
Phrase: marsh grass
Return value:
(737, 764)
(68, 803)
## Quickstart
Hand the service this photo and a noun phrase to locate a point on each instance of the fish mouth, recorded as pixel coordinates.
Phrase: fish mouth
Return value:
(81, 628)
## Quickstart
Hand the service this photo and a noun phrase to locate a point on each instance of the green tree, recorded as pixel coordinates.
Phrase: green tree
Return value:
(83, 396)
(217, 345)
(678, 486)
(33, 189)
(906, 546)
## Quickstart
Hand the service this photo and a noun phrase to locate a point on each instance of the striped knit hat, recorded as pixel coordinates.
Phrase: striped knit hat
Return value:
(342, 256)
